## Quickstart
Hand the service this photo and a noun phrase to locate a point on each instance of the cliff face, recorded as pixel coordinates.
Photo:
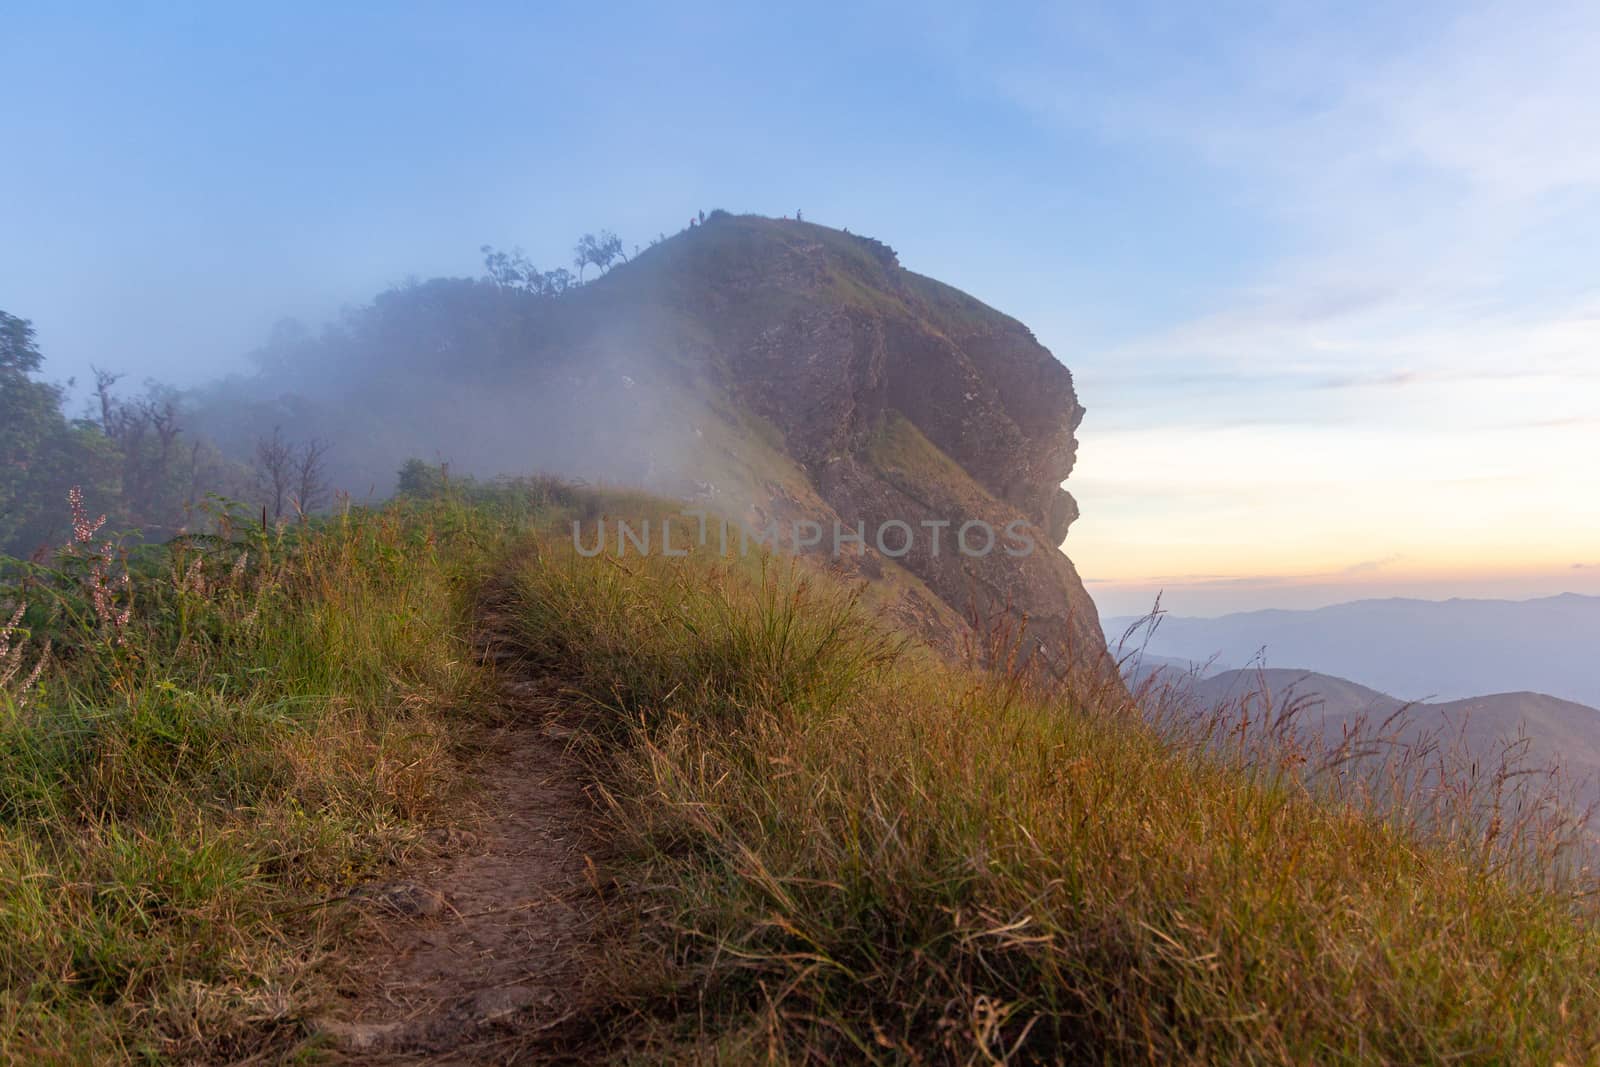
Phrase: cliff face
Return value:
(777, 371)
(898, 399)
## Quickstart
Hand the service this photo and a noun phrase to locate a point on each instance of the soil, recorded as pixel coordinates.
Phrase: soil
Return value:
(483, 951)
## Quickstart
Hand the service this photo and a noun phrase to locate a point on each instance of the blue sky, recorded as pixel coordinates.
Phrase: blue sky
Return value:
(1326, 273)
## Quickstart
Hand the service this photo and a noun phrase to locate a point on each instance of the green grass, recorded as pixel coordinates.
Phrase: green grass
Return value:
(173, 806)
(908, 458)
(842, 851)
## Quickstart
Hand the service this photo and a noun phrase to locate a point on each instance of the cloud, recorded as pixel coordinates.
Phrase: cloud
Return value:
(1410, 317)
(1213, 580)
(1370, 566)
(1364, 567)
(1406, 163)
(1405, 377)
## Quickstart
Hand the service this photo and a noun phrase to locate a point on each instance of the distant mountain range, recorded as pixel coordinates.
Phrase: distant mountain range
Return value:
(1557, 731)
(1414, 649)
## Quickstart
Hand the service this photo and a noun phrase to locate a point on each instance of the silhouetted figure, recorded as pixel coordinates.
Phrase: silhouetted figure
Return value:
(797, 216)
(702, 218)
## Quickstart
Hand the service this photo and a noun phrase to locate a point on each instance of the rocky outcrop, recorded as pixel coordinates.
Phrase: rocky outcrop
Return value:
(779, 371)
(899, 398)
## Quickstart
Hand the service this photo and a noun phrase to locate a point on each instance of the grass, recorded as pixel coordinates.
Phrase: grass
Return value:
(841, 850)
(906, 456)
(830, 844)
(269, 724)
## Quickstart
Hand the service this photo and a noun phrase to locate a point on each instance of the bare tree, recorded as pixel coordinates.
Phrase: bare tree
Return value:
(311, 484)
(103, 381)
(161, 415)
(275, 469)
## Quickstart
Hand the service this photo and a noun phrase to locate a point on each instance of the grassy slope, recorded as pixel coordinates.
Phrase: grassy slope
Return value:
(842, 852)
(266, 734)
(909, 459)
(834, 846)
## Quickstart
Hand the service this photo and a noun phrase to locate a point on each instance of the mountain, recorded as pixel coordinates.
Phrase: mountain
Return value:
(1326, 698)
(788, 374)
(1415, 649)
(1328, 707)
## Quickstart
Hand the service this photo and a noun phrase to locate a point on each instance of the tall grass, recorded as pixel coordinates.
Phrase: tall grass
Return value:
(1510, 813)
(839, 848)
(833, 845)
(231, 729)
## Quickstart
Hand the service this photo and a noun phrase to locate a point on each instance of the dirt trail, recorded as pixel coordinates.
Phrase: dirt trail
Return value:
(481, 954)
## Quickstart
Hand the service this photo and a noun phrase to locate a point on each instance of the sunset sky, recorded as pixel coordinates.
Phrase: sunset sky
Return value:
(1328, 275)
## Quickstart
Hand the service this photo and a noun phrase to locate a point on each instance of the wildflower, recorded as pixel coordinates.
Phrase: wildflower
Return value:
(11, 657)
(103, 589)
(192, 580)
(33, 676)
(83, 529)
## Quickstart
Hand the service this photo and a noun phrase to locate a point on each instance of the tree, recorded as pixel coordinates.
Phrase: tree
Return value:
(275, 470)
(290, 475)
(19, 355)
(422, 480)
(155, 487)
(554, 282)
(103, 382)
(419, 479)
(601, 251)
(310, 480)
(513, 271)
(508, 270)
(131, 457)
(42, 454)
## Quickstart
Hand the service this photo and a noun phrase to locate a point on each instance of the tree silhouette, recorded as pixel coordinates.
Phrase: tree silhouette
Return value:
(601, 252)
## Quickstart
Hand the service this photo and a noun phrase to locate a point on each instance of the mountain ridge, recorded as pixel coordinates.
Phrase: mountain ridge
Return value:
(1438, 650)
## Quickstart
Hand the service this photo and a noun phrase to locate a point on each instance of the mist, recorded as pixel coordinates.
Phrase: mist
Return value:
(484, 379)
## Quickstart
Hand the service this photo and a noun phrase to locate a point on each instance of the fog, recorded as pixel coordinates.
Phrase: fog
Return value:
(484, 379)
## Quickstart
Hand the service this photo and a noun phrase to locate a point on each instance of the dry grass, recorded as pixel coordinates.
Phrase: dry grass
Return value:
(833, 845)
(841, 850)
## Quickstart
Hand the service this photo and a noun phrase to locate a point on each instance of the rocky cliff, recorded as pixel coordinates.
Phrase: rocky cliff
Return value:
(897, 399)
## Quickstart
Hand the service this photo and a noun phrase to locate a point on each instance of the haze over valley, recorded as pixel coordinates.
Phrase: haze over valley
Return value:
(1414, 649)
